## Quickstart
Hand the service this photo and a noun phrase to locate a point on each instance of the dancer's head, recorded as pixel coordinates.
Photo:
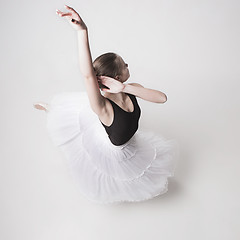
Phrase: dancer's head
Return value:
(111, 65)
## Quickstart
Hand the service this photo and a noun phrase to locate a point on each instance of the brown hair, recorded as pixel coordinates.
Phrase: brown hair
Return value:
(108, 64)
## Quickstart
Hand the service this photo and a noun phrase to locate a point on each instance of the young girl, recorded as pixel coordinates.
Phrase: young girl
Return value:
(111, 160)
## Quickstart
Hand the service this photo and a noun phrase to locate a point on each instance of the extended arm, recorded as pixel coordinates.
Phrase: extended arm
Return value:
(145, 93)
(133, 88)
(97, 101)
(85, 60)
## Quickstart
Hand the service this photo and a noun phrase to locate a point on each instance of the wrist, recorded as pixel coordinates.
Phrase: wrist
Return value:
(82, 30)
(125, 87)
(129, 88)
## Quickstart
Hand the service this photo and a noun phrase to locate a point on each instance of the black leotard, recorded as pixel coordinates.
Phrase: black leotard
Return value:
(124, 124)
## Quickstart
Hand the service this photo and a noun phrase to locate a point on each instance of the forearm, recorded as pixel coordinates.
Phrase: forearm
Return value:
(85, 59)
(146, 93)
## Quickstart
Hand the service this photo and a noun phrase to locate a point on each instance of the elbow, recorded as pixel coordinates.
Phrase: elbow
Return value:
(165, 98)
(162, 98)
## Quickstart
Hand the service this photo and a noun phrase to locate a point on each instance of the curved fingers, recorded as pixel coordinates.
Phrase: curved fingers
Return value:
(106, 82)
(71, 10)
(65, 14)
(106, 90)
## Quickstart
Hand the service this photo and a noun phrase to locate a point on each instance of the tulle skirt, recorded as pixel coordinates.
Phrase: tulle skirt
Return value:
(104, 173)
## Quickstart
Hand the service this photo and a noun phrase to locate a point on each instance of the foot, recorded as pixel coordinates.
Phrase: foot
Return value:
(41, 106)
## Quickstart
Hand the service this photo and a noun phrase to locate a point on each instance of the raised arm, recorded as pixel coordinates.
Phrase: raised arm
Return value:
(97, 101)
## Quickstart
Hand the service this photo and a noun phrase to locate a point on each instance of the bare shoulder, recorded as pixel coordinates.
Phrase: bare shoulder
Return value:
(136, 84)
(107, 114)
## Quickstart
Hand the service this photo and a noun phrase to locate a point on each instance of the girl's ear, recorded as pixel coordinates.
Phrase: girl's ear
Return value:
(117, 78)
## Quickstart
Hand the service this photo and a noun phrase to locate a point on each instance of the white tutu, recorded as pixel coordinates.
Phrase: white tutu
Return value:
(105, 173)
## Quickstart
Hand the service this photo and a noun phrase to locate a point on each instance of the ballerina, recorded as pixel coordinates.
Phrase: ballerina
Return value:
(110, 158)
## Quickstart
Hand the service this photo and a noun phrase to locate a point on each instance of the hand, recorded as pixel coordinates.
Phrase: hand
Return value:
(73, 18)
(114, 85)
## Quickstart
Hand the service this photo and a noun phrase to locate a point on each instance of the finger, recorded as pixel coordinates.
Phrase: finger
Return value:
(102, 78)
(70, 9)
(105, 81)
(105, 90)
(66, 6)
(106, 77)
(68, 16)
(60, 13)
(65, 14)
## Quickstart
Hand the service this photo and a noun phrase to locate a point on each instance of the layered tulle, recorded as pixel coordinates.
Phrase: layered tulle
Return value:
(135, 171)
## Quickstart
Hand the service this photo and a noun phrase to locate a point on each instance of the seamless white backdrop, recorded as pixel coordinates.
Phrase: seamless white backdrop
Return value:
(187, 49)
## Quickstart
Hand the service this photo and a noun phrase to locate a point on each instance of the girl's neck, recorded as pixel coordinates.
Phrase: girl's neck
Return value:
(118, 97)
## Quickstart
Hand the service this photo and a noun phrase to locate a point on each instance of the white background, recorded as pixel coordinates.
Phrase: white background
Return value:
(187, 49)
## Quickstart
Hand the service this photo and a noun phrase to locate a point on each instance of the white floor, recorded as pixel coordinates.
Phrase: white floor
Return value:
(38, 200)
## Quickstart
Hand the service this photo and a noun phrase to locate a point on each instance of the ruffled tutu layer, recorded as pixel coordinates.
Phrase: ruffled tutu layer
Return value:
(135, 171)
